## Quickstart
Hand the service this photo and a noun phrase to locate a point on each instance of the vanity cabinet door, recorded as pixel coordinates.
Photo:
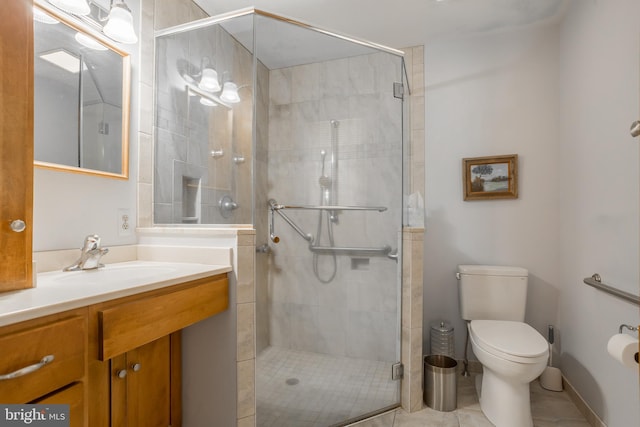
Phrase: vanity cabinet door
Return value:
(141, 386)
(16, 145)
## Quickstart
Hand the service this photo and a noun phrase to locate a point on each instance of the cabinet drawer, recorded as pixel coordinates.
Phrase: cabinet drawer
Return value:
(126, 326)
(72, 396)
(65, 340)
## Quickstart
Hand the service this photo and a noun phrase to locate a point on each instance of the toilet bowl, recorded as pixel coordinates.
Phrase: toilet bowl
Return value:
(512, 354)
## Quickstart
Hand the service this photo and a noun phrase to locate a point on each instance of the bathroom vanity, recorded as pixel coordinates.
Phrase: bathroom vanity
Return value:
(112, 352)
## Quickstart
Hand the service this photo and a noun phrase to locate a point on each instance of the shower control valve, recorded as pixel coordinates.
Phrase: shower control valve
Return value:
(227, 206)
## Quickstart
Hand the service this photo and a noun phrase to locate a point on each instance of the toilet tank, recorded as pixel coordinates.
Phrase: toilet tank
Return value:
(489, 292)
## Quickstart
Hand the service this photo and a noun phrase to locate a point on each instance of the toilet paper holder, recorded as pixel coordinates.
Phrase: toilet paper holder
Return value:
(629, 327)
(633, 329)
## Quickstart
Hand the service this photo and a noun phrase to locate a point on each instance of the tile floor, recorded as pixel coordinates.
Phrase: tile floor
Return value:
(549, 409)
(302, 389)
(330, 390)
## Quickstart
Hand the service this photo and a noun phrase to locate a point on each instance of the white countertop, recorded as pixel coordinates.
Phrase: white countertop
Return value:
(59, 291)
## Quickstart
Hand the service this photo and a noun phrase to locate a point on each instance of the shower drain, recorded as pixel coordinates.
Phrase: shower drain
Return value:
(292, 381)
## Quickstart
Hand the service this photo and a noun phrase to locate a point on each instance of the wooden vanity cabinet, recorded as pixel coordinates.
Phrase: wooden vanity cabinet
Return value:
(116, 363)
(63, 379)
(16, 144)
(134, 352)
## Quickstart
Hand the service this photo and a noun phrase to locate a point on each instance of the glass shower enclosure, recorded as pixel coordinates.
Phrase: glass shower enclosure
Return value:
(297, 131)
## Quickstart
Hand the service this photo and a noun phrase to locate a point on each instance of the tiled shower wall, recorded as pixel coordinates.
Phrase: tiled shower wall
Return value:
(355, 315)
(156, 15)
(189, 181)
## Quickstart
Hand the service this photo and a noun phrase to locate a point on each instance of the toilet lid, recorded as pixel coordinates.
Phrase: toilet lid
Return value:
(509, 338)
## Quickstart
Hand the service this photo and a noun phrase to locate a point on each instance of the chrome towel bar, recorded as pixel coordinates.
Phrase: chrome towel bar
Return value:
(596, 282)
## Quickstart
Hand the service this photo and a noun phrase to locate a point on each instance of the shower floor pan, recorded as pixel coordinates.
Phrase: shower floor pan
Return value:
(303, 389)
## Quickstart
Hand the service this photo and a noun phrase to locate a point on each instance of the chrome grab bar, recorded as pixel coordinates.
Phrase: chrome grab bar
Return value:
(338, 250)
(306, 236)
(28, 369)
(278, 207)
(596, 282)
(275, 239)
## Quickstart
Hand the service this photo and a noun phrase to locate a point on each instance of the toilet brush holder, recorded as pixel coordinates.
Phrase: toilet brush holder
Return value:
(551, 378)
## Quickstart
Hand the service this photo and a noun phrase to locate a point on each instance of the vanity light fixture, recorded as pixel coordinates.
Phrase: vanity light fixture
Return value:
(209, 80)
(119, 24)
(89, 42)
(119, 20)
(77, 7)
(208, 102)
(40, 16)
(230, 93)
(206, 98)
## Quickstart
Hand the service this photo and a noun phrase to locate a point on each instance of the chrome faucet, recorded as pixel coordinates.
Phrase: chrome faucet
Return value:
(90, 255)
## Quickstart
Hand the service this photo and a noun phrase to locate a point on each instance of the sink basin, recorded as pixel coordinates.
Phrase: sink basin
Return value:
(120, 273)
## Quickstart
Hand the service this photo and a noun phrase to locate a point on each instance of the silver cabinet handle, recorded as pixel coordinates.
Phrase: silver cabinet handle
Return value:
(18, 225)
(635, 128)
(122, 373)
(28, 369)
(136, 367)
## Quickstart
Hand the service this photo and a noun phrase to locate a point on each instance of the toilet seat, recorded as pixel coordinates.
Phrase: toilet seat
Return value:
(514, 341)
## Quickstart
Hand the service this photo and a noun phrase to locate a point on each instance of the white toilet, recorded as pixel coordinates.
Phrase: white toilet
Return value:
(512, 353)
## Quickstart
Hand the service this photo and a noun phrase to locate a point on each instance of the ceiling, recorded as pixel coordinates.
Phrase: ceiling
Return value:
(404, 23)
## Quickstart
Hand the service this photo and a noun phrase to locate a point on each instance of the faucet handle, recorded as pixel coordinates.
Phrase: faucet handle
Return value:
(91, 242)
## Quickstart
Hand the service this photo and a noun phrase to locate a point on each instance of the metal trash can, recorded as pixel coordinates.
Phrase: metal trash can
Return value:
(440, 382)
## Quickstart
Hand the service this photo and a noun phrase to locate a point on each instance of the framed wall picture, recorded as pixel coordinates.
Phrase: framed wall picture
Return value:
(494, 177)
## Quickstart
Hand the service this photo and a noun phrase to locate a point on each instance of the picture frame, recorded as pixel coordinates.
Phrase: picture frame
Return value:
(492, 177)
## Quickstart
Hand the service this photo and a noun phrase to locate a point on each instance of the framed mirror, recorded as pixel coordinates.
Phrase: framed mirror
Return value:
(81, 98)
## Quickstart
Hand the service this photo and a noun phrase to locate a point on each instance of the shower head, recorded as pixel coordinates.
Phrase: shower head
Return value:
(325, 181)
(274, 238)
(323, 154)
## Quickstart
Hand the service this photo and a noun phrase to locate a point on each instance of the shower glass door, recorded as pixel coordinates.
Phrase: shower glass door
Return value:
(328, 215)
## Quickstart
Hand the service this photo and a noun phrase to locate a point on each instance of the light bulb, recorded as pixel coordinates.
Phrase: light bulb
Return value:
(120, 24)
(230, 93)
(77, 7)
(209, 80)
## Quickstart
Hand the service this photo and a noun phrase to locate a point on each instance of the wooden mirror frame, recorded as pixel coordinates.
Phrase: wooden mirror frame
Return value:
(84, 28)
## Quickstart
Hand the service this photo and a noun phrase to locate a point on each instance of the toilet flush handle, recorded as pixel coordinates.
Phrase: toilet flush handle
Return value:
(635, 128)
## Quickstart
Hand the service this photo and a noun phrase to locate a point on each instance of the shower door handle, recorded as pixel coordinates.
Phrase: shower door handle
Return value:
(635, 128)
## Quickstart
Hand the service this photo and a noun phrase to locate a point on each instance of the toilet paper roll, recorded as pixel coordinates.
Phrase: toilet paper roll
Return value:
(624, 348)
